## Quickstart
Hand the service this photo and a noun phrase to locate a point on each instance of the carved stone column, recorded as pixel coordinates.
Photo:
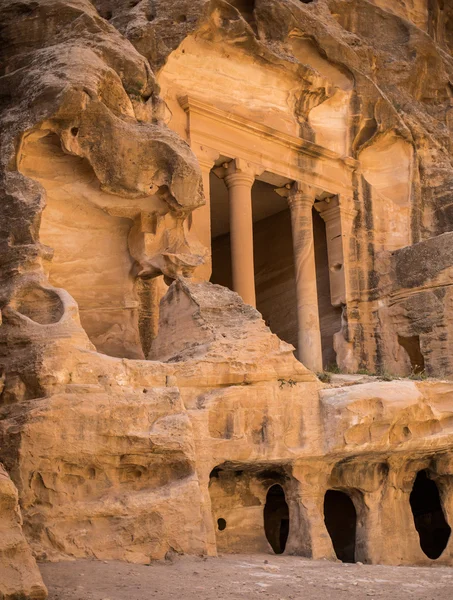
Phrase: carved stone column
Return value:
(201, 217)
(239, 179)
(338, 216)
(301, 199)
(330, 212)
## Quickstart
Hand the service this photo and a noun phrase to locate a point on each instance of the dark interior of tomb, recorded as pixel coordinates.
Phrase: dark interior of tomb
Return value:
(429, 518)
(276, 519)
(274, 263)
(412, 346)
(340, 518)
(273, 254)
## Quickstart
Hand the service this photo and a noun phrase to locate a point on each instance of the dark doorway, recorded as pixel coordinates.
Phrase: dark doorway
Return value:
(429, 518)
(340, 518)
(412, 347)
(276, 519)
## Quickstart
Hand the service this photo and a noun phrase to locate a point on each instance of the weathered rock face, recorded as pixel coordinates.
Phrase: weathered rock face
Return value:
(369, 80)
(19, 573)
(126, 489)
(115, 462)
(135, 459)
(144, 411)
(120, 213)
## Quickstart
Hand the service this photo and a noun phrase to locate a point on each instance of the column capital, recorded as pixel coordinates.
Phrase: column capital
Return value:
(352, 163)
(239, 171)
(333, 208)
(206, 156)
(299, 194)
(329, 209)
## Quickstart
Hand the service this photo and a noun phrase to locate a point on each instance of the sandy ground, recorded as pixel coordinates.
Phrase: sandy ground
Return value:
(245, 577)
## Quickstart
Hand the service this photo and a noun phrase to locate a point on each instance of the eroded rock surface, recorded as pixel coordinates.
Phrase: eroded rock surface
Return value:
(146, 412)
(20, 575)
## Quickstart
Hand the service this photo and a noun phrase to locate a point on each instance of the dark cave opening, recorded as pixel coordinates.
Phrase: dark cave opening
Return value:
(412, 346)
(276, 519)
(340, 517)
(430, 523)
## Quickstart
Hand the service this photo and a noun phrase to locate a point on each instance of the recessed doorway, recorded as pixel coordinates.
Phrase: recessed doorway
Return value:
(276, 519)
(429, 519)
(340, 517)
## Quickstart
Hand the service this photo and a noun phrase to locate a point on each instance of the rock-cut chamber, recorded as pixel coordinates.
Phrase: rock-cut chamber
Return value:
(340, 517)
(429, 519)
(276, 519)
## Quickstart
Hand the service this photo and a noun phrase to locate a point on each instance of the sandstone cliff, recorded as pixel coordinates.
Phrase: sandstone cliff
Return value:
(130, 429)
(19, 573)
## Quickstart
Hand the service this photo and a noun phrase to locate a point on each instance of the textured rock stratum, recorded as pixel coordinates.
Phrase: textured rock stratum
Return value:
(20, 576)
(146, 412)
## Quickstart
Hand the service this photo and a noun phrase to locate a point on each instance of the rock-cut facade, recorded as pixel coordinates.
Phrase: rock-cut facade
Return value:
(225, 281)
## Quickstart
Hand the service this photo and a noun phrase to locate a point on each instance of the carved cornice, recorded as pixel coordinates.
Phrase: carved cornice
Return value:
(310, 149)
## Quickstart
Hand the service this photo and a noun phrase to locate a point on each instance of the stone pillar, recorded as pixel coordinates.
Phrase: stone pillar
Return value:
(338, 214)
(312, 479)
(239, 179)
(301, 199)
(338, 219)
(201, 217)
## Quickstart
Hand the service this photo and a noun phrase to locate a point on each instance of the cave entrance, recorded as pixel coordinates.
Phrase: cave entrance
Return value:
(429, 518)
(412, 346)
(250, 511)
(276, 519)
(340, 517)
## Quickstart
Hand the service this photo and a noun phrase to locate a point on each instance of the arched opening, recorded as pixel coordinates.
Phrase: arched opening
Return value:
(429, 518)
(412, 346)
(276, 519)
(340, 518)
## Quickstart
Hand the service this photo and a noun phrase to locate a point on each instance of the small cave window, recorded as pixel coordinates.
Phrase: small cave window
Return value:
(276, 519)
(340, 518)
(412, 346)
(429, 519)
(221, 524)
